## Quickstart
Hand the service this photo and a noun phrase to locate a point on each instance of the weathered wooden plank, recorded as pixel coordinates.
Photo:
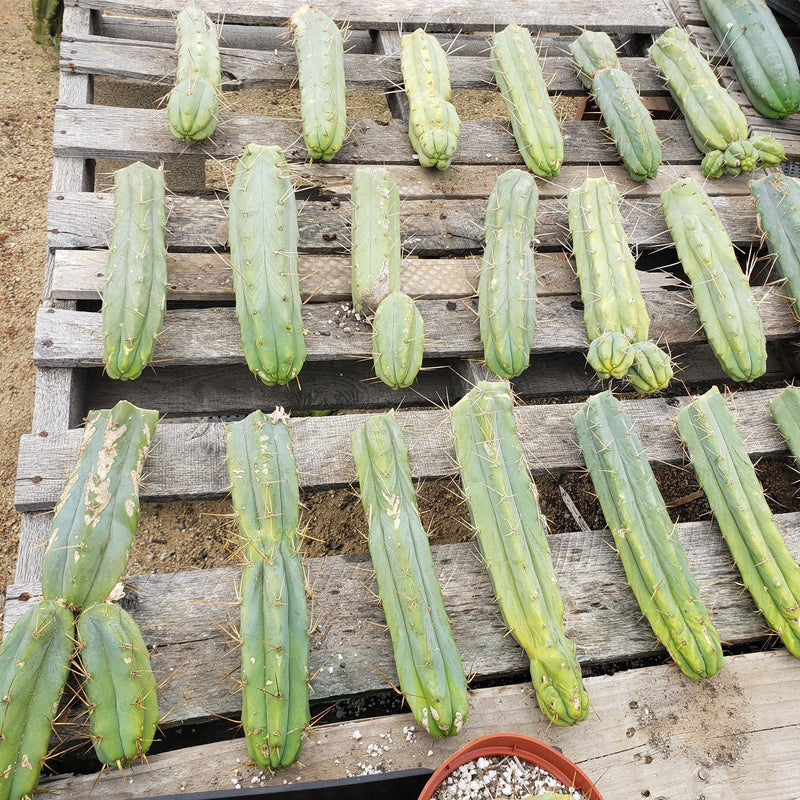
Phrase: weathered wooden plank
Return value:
(135, 133)
(387, 43)
(188, 460)
(34, 531)
(430, 228)
(455, 15)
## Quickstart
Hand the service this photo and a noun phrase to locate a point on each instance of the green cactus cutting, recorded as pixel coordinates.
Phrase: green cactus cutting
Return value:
(135, 293)
(34, 666)
(398, 340)
(722, 295)
(785, 410)
(193, 106)
(118, 683)
(375, 235)
(95, 518)
(518, 74)
(320, 67)
(507, 282)
(736, 496)
(645, 537)
(273, 626)
(761, 56)
(263, 236)
(433, 123)
(629, 122)
(777, 199)
(611, 355)
(48, 16)
(428, 664)
(715, 121)
(511, 533)
(651, 370)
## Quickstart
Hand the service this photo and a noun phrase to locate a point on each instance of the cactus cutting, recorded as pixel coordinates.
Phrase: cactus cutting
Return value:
(398, 341)
(785, 410)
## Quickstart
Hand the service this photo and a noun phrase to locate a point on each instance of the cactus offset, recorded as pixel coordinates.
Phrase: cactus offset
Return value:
(736, 496)
(428, 664)
(507, 283)
(651, 370)
(34, 666)
(645, 537)
(722, 295)
(375, 236)
(119, 684)
(518, 74)
(273, 626)
(95, 518)
(433, 123)
(398, 341)
(135, 293)
(263, 236)
(511, 534)
(785, 409)
(611, 355)
(320, 67)
(629, 122)
(193, 106)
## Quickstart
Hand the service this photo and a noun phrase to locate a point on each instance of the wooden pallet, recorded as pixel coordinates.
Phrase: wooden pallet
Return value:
(724, 727)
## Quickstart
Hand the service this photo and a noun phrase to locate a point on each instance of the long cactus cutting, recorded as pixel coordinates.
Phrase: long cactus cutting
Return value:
(645, 537)
(398, 340)
(95, 518)
(511, 534)
(629, 122)
(427, 660)
(34, 666)
(118, 682)
(736, 496)
(518, 74)
(433, 123)
(320, 67)
(785, 410)
(722, 295)
(135, 293)
(263, 236)
(193, 106)
(507, 283)
(273, 624)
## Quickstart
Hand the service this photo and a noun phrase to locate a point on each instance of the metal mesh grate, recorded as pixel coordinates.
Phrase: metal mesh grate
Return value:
(791, 168)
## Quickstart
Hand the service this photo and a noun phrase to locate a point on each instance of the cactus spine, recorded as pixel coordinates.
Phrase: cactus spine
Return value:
(376, 250)
(737, 499)
(724, 301)
(714, 119)
(34, 666)
(646, 540)
(507, 283)
(95, 518)
(428, 664)
(119, 686)
(193, 106)
(762, 58)
(320, 66)
(263, 236)
(785, 409)
(273, 618)
(518, 74)
(777, 200)
(398, 341)
(503, 504)
(629, 122)
(135, 294)
(433, 123)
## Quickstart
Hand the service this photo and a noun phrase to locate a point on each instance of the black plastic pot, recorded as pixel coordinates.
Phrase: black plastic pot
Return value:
(404, 785)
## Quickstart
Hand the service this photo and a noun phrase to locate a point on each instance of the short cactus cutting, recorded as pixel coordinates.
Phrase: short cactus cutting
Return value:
(511, 534)
(273, 616)
(428, 664)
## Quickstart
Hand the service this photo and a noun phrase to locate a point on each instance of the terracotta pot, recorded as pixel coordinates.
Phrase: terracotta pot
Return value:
(525, 749)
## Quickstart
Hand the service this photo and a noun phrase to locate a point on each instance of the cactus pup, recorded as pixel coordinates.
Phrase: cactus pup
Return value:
(263, 236)
(135, 291)
(645, 537)
(193, 105)
(511, 532)
(518, 74)
(273, 626)
(428, 664)
(736, 497)
(398, 340)
(320, 68)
